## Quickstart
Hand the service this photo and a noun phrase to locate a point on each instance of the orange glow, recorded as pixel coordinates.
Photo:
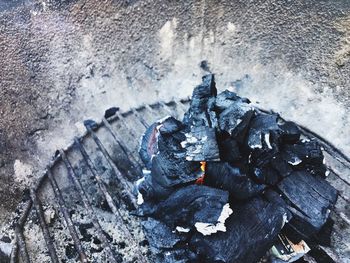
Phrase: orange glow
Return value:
(203, 166)
(200, 180)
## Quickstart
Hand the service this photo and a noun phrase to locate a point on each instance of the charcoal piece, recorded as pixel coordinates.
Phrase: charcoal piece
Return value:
(250, 231)
(290, 132)
(277, 199)
(169, 125)
(169, 171)
(310, 199)
(281, 166)
(201, 144)
(259, 135)
(235, 120)
(266, 175)
(160, 236)
(224, 176)
(111, 111)
(149, 146)
(189, 205)
(229, 150)
(307, 153)
(149, 189)
(226, 98)
(201, 108)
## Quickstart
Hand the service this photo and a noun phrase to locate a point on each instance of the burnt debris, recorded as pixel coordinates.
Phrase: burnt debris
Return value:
(230, 183)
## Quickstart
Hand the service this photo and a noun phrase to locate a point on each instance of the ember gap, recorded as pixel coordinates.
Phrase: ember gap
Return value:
(231, 183)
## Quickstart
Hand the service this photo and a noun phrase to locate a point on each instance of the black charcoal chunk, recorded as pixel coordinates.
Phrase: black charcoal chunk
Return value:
(159, 235)
(290, 132)
(226, 98)
(150, 189)
(110, 112)
(281, 166)
(235, 119)
(266, 175)
(168, 128)
(307, 153)
(250, 231)
(310, 199)
(229, 150)
(191, 204)
(224, 176)
(201, 144)
(169, 172)
(259, 135)
(201, 111)
(169, 125)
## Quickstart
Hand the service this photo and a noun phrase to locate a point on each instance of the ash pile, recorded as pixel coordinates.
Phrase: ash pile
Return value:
(231, 183)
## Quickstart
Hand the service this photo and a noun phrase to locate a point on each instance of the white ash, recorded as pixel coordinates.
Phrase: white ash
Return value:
(207, 228)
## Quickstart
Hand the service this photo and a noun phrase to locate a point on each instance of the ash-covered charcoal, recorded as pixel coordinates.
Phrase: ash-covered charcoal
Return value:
(250, 231)
(226, 98)
(259, 135)
(227, 177)
(235, 119)
(160, 236)
(201, 144)
(305, 154)
(190, 205)
(201, 109)
(310, 200)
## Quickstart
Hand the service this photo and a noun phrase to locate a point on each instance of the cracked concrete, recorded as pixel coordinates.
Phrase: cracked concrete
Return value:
(65, 61)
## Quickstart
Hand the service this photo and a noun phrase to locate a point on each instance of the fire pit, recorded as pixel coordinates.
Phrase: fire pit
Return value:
(84, 206)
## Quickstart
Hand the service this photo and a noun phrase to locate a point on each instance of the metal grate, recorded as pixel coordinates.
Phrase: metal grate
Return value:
(90, 183)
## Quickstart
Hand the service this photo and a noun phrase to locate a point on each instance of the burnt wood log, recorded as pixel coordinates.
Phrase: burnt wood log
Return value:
(250, 231)
(310, 200)
(224, 176)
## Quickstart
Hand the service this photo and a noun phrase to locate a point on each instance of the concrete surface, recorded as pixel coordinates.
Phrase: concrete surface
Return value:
(64, 61)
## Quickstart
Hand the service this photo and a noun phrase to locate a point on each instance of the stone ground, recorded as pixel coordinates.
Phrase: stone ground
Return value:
(64, 61)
